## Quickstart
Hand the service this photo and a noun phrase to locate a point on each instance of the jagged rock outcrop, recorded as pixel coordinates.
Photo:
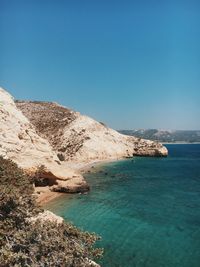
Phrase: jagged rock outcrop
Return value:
(20, 142)
(78, 138)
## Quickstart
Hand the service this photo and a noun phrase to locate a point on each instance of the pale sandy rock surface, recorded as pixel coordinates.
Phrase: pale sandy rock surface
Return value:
(34, 133)
(93, 264)
(79, 139)
(18, 139)
(20, 142)
(99, 142)
(47, 216)
(43, 194)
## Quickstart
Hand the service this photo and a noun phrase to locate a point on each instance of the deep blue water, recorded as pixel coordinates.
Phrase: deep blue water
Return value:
(147, 210)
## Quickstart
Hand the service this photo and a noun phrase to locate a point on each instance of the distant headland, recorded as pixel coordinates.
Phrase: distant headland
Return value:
(51, 144)
(166, 136)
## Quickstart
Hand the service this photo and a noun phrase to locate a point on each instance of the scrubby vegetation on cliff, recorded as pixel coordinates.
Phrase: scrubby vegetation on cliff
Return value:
(26, 242)
(78, 138)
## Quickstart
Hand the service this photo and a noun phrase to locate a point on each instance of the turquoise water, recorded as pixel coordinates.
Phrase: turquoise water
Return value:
(147, 210)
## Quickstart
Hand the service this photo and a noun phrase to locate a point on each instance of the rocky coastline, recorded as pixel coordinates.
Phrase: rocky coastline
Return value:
(54, 143)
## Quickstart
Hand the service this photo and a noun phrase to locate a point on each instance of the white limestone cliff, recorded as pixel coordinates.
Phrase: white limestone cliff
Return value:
(34, 133)
(78, 138)
(20, 142)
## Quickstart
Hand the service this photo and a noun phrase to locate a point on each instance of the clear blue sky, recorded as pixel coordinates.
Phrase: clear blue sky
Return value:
(130, 64)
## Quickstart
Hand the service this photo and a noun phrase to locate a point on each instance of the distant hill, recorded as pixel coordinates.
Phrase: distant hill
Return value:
(165, 135)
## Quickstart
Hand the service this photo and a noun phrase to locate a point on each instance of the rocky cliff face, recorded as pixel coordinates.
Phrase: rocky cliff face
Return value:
(36, 133)
(20, 142)
(78, 138)
(18, 139)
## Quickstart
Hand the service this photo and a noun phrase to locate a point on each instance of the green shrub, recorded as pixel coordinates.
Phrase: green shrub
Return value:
(38, 243)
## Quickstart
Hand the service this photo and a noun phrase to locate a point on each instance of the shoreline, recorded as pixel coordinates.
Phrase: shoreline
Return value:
(91, 165)
(43, 193)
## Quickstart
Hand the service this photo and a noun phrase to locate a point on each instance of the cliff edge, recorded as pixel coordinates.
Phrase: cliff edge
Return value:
(20, 142)
(78, 138)
(37, 134)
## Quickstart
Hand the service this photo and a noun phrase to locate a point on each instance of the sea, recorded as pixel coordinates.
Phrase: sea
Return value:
(146, 210)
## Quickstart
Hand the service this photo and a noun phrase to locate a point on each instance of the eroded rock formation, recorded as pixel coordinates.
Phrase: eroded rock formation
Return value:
(20, 142)
(78, 138)
(35, 134)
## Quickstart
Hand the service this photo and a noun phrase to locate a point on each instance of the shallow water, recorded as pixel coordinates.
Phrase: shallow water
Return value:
(147, 210)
